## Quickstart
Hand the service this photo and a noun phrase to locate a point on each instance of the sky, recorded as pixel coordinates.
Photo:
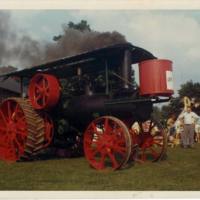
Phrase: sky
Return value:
(168, 34)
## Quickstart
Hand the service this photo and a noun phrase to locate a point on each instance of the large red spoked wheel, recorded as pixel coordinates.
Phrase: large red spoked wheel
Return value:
(48, 129)
(21, 130)
(44, 91)
(13, 131)
(151, 139)
(107, 143)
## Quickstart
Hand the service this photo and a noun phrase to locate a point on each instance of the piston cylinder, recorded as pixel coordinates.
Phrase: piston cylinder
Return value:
(156, 77)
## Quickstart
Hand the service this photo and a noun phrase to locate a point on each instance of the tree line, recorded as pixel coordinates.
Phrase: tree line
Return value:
(190, 89)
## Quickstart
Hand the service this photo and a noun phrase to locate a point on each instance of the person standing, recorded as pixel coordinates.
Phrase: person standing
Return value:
(189, 118)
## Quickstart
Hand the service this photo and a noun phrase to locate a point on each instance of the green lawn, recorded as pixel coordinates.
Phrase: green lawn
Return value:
(181, 171)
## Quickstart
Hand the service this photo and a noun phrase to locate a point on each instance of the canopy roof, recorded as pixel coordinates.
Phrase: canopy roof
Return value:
(10, 85)
(64, 64)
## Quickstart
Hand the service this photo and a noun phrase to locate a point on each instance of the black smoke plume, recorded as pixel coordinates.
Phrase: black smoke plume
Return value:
(21, 51)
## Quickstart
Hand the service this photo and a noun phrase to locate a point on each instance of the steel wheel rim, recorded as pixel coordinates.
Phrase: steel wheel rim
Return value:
(107, 143)
(13, 131)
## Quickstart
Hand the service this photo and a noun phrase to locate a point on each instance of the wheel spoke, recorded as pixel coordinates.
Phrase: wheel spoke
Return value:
(118, 138)
(3, 117)
(113, 160)
(16, 150)
(121, 142)
(94, 127)
(21, 132)
(38, 86)
(118, 130)
(107, 128)
(18, 145)
(102, 160)
(43, 100)
(94, 152)
(43, 83)
(20, 125)
(119, 149)
(38, 96)
(19, 116)
(46, 86)
(9, 110)
(15, 112)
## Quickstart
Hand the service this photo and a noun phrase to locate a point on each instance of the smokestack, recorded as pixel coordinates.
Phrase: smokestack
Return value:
(126, 69)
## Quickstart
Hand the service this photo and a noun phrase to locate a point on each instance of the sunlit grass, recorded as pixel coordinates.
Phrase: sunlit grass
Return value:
(180, 171)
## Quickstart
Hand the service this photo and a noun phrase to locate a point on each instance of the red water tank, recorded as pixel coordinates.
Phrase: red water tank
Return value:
(156, 77)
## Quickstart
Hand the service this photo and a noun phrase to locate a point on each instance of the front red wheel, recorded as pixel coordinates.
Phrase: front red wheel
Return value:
(107, 143)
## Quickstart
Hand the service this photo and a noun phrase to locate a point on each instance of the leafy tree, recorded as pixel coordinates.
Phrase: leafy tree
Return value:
(56, 38)
(190, 89)
(81, 26)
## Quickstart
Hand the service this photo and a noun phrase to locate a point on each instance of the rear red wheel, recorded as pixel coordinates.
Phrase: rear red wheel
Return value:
(107, 143)
(44, 91)
(13, 130)
(152, 140)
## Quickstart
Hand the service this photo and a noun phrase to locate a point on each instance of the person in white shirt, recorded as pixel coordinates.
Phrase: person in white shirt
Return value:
(189, 119)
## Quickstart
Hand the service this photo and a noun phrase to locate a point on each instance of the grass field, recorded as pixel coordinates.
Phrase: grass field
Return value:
(181, 171)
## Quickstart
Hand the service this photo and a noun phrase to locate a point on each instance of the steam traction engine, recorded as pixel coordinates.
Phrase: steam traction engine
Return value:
(89, 103)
